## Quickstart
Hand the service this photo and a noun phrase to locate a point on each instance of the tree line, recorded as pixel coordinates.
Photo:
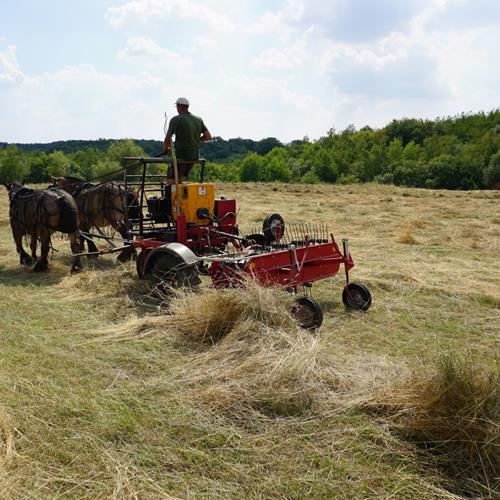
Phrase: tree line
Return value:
(459, 152)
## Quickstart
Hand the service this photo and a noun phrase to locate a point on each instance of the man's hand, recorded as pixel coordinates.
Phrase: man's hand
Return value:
(167, 144)
(206, 136)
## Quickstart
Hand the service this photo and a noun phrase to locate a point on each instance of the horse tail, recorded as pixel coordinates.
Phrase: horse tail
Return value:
(68, 220)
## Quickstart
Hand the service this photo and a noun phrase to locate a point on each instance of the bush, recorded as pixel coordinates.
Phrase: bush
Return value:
(310, 177)
(454, 172)
(410, 173)
(492, 172)
(347, 179)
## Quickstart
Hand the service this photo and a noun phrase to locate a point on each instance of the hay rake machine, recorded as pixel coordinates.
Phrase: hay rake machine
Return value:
(182, 232)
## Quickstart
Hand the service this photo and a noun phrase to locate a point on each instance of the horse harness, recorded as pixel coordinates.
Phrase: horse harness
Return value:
(19, 205)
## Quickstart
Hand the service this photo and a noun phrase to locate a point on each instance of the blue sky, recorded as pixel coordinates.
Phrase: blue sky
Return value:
(284, 68)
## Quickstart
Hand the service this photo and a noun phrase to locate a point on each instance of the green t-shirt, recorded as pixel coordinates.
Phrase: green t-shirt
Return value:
(187, 129)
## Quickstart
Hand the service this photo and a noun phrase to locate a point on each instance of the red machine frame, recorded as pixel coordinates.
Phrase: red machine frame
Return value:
(271, 258)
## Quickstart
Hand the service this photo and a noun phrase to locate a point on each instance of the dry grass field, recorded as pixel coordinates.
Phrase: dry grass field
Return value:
(104, 394)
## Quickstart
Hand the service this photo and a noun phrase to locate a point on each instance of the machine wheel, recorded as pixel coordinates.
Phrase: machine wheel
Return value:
(308, 313)
(357, 296)
(168, 272)
(139, 264)
(173, 274)
(273, 228)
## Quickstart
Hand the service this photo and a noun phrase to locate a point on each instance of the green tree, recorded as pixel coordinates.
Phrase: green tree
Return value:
(411, 151)
(13, 165)
(104, 167)
(125, 147)
(251, 168)
(57, 164)
(492, 172)
(85, 160)
(395, 150)
(38, 161)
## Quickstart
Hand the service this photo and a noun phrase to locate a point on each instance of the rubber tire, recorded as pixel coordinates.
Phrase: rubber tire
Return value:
(139, 264)
(269, 227)
(357, 296)
(313, 313)
(162, 268)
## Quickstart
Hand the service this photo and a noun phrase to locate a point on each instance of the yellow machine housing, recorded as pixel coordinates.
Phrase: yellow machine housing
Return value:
(193, 196)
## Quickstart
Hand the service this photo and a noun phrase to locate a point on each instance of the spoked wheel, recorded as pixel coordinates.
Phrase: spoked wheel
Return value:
(308, 313)
(357, 296)
(273, 228)
(167, 272)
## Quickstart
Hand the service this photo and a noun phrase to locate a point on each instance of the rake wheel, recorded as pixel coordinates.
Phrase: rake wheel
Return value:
(273, 228)
(308, 312)
(357, 296)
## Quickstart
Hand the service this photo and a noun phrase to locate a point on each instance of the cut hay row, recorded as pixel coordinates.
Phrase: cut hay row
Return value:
(247, 360)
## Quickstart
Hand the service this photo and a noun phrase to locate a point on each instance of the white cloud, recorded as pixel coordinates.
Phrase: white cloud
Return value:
(146, 52)
(284, 59)
(268, 93)
(9, 67)
(352, 20)
(147, 10)
(81, 102)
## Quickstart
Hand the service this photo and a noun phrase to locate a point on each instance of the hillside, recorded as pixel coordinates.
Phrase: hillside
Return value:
(102, 394)
(459, 152)
(218, 149)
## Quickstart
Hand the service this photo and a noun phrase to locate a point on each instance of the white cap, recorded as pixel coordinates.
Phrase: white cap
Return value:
(183, 101)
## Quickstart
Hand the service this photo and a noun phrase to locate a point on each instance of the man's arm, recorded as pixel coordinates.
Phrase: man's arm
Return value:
(167, 143)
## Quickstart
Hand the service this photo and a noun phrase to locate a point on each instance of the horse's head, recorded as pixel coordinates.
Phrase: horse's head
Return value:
(13, 188)
(69, 184)
(57, 182)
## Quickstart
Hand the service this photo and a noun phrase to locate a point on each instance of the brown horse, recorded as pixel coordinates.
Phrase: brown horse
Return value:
(100, 205)
(38, 213)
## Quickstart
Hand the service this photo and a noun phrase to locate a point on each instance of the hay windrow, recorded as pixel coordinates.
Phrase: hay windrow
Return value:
(452, 410)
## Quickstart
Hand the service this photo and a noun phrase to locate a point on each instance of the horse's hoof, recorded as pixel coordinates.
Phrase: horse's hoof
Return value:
(76, 270)
(26, 260)
(40, 267)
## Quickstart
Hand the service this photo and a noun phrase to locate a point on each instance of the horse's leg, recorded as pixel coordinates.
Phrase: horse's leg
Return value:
(24, 258)
(127, 253)
(33, 244)
(75, 249)
(43, 261)
(91, 246)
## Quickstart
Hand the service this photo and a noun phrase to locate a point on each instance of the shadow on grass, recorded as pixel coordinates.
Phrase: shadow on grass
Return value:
(59, 268)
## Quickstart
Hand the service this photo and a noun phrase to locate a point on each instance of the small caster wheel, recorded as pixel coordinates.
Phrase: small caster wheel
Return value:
(273, 228)
(357, 296)
(308, 313)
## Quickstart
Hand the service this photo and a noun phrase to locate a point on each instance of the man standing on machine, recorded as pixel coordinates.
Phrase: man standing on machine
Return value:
(189, 131)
